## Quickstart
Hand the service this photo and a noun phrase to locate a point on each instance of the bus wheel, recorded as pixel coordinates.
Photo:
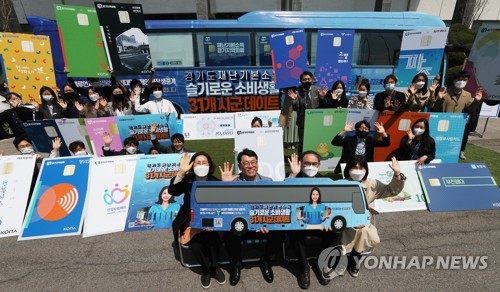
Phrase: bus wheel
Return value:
(239, 226)
(338, 223)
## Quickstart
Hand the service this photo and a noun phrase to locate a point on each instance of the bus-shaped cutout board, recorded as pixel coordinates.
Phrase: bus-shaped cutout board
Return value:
(293, 204)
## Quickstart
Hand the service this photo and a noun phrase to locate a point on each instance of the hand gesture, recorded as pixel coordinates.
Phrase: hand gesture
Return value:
(185, 164)
(262, 230)
(152, 69)
(35, 104)
(421, 160)
(335, 96)
(107, 139)
(379, 127)
(396, 105)
(441, 93)
(293, 95)
(62, 103)
(103, 102)
(132, 97)
(479, 94)
(167, 112)
(66, 70)
(395, 166)
(434, 85)
(364, 99)
(387, 102)
(323, 92)
(411, 136)
(326, 228)
(78, 106)
(349, 126)
(226, 174)
(96, 105)
(110, 70)
(56, 144)
(153, 128)
(412, 89)
(294, 165)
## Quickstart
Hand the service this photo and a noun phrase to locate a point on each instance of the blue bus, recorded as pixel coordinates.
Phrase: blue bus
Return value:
(197, 79)
(295, 204)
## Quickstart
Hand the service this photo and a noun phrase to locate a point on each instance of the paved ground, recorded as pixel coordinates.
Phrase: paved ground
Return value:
(146, 261)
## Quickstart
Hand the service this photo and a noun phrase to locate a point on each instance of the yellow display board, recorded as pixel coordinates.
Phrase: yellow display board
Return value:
(28, 64)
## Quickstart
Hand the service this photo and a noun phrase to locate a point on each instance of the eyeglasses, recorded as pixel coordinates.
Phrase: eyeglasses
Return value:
(315, 164)
(249, 163)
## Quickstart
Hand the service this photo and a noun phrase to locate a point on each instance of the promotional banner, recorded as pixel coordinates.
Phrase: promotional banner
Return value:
(321, 126)
(108, 199)
(16, 173)
(151, 206)
(334, 57)
(139, 127)
(243, 120)
(126, 41)
(264, 56)
(96, 127)
(447, 129)
(289, 55)
(421, 51)
(310, 203)
(208, 126)
(396, 126)
(227, 50)
(459, 186)
(356, 115)
(81, 41)
(74, 130)
(42, 133)
(57, 203)
(28, 64)
(267, 144)
(483, 60)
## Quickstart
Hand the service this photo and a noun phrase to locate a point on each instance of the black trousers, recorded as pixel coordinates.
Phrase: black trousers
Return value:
(205, 246)
(233, 244)
(465, 139)
(298, 240)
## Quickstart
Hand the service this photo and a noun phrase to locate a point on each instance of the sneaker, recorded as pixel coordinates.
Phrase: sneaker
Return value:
(352, 265)
(219, 276)
(462, 155)
(304, 279)
(206, 280)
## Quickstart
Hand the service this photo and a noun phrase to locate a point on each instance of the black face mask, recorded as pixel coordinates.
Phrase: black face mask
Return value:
(118, 96)
(306, 85)
(362, 134)
(71, 96)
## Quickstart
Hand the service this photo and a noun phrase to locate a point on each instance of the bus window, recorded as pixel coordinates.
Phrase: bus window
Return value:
(377, 48)
(171, 49)
(358, 205)
(314, 47)
(224, 48)
(263, 49)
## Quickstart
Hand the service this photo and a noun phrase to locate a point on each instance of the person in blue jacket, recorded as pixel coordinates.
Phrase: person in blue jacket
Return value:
(163, 212)
(315, 212)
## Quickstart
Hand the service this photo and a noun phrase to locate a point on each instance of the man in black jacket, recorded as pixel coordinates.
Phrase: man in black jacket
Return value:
(361, 144)
(130, 145)
(15, 116)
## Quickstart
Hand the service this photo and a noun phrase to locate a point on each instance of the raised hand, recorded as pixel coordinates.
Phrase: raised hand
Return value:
(78, 106)
(411, 136)
(153, 128)
(62, 103)
(335, 96)
(323, 92)
(226, 174)
(479, 94)
(293, 95)
(387, 102)
(56, 144)
(152, 69)
(294, 165)
(379, 127)
(35, 104)
(441, 93)
(262, 230)
(107, 139)
(349, 126)
(395, 166)
(185, 165)
(96, 105)
(412, 89)
(132, 97)
(103, 102)
(434, 85)
(396, 105)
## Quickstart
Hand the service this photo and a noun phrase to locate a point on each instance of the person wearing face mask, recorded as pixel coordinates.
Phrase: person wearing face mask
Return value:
(361, 144)
(51, 108)
(203, 243)
(418, 144)
(138, 92)
(78, 148)
(120, 104)
(306, 96)
(307, 167)
(130, 146)
(362, 238)
(157, 106)
(458, 100)
(361, 100)
(15, 115)
(177, 140)
(336, 97)
(418, 95)
(96, 107)
(390, 99)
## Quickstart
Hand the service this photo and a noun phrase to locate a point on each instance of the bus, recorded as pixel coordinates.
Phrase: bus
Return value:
(198, 80)
(294, 204)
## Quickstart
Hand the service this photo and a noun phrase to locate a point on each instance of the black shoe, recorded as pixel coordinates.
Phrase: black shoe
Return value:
(304, 279)
(219, 276)
(206, 280)
(352, 266)
(319, 276)
(234, 276)
(267, 272)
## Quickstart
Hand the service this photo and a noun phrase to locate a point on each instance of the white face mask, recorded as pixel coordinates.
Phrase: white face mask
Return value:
(339, 91)
(310, 171)
(201, 170)
(418, 131)
(460, 84)
(47, 97)
(157, 94)
(420, 84)
(131, 150)
(94, 97)
(390, 86)
(357, 174)
(27, 150)
(81, 153)
(362, 93)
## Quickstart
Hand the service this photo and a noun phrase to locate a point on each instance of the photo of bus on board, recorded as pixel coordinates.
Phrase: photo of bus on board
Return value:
(293, 204)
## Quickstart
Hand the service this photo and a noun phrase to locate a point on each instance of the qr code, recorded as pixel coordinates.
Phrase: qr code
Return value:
(217, 222)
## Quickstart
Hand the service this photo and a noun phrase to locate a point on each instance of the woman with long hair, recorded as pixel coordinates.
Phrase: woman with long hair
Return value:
(418, 144)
